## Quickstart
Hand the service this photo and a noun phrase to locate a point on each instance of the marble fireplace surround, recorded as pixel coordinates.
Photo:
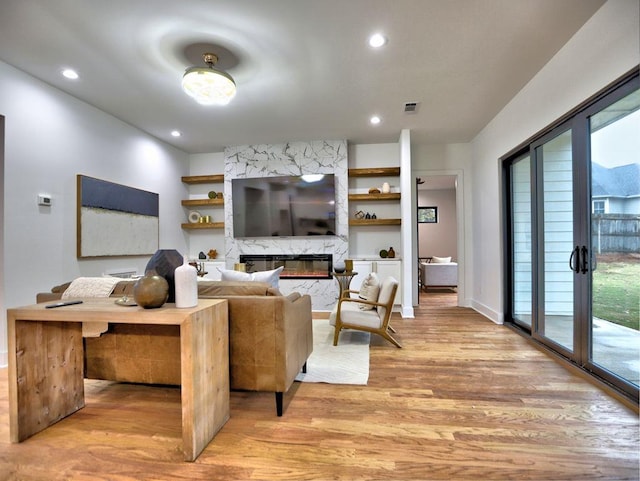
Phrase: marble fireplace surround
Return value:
(293, 158)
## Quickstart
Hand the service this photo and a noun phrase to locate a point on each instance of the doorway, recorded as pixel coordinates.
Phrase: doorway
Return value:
(439, 226)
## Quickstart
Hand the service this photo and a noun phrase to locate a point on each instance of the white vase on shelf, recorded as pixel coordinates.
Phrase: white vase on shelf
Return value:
(386, 188)
(186, 283)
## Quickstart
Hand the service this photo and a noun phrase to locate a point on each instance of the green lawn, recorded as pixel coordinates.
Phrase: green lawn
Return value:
(616, 293)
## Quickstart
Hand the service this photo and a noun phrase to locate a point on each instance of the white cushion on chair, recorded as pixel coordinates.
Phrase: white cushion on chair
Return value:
(386, 289)
(351, 314)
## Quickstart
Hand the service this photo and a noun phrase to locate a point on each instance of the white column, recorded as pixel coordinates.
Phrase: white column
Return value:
(407, 213)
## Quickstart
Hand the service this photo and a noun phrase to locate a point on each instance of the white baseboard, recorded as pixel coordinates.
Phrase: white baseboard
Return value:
(487, 312)
(407, 312)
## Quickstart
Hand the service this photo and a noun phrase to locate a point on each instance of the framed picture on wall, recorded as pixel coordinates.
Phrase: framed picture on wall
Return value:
(427, 215)
(115, 220)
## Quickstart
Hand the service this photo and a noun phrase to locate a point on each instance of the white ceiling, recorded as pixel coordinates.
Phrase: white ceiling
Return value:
(303, 67)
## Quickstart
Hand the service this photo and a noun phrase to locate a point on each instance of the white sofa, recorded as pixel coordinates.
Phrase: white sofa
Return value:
(443, 274)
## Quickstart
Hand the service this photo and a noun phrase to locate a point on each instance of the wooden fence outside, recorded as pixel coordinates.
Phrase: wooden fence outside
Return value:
(615, 233)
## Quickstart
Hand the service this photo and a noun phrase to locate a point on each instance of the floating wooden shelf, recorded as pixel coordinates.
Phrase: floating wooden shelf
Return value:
(390, 196)
(375, 221)
(375, 172)
(203, 225)
(203, 179)
(202, 202)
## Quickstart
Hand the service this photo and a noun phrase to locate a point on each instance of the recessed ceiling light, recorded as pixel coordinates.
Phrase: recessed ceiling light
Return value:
(377, 40)
(176, 133)
(375, 120)
(70, 74)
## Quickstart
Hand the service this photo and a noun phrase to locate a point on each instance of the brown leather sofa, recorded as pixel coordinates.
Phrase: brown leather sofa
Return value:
(270, 340)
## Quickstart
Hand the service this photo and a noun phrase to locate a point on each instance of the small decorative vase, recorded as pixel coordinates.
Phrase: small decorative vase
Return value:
(386, 188)
(339, 267)
(164, 263)
(186, 281)
(151, 291)
(348, 265)
(391, 253)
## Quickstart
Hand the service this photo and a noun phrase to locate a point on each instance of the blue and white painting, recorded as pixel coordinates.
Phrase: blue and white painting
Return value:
(115, 220)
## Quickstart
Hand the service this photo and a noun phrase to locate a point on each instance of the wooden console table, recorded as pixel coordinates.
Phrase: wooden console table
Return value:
(46, 378)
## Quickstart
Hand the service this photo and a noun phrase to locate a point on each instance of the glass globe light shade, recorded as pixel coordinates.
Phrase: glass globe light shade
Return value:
(208, 86)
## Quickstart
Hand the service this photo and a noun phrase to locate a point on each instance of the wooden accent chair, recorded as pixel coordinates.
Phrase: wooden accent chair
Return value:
(349, 315)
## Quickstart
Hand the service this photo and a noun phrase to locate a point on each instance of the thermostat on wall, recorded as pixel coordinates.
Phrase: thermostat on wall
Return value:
(44, 199)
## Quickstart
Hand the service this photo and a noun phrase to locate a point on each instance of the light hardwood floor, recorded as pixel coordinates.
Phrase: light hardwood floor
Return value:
(465, 399)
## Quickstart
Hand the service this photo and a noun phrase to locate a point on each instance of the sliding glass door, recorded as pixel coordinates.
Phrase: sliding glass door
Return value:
(615, 239)
(573, 231)
(555, 225)
(521, 247)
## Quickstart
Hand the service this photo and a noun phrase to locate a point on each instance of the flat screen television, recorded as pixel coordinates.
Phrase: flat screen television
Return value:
(284, 206)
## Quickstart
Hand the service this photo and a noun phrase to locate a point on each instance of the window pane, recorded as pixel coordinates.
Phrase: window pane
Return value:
(521, 215)
(557, 177)
(615, 238)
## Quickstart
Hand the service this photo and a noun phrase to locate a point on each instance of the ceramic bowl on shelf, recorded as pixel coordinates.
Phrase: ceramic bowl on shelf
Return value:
(194, 216)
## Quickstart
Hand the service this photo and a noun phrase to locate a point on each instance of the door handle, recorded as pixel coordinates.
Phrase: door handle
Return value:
(575, 254)
(585, 260)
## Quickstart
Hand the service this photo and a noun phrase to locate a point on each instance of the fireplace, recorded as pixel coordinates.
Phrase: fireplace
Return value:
(296, 266)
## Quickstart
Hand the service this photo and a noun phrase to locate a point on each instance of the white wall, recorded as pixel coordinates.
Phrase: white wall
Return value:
(3, 321)
(51, 137)
(605, 48)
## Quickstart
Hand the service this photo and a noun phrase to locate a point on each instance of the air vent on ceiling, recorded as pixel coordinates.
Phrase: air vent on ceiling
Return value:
(410, 107)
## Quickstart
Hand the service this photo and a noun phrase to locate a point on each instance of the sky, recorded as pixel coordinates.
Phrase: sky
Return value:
(618, 143)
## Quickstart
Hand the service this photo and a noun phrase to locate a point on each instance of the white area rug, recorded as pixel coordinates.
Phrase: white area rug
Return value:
(346, 363)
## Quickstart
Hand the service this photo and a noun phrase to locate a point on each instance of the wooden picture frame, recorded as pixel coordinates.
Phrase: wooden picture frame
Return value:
(427, 215)
(115, 220)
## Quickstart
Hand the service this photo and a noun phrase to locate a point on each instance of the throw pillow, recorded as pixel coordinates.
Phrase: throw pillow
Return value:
(369, 291)
(271, 277)
(441, 260)
(91, 287)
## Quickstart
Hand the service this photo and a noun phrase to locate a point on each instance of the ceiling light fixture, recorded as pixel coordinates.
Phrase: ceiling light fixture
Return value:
(208, 85)
(375, 120)
(377, 40)
(176, 133)
(70, 74)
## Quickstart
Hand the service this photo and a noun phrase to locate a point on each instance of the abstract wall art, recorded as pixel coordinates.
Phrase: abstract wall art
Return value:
(115, 220)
